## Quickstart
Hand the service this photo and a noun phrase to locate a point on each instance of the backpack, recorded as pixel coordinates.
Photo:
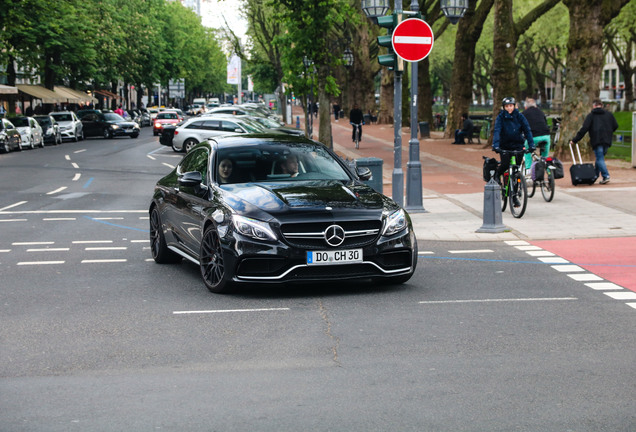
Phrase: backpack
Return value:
(490, 164)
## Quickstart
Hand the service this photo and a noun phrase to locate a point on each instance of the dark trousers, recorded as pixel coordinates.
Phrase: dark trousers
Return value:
(459, 136)
(353, 132)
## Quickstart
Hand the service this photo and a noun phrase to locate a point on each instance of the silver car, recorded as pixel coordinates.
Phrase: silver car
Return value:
(31, 133)
(198, 129)
(70, 126)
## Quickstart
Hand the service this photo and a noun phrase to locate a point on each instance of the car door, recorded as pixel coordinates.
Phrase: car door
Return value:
(36, 130)
(191, 200)
(90, 124)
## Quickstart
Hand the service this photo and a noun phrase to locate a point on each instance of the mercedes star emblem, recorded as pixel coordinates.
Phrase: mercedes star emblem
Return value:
(334, 235)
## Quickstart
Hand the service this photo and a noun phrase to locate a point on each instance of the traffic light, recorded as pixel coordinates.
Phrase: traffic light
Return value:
(391, 60)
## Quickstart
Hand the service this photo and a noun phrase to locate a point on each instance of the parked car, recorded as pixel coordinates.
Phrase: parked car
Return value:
(81, 113)
(180, 113)
(52, 132)
(70, 126)
(271, 124)
(198, 129)
(164, 118)
(144, 118)
(30, 131)
(109, 125)
(9, 137)
(256, 223)
(153, 114)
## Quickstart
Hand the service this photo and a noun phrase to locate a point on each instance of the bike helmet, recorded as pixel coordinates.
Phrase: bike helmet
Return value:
(508, 100)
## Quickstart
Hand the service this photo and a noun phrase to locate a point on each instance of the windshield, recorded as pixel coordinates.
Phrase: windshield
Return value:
(251, 127)
(20, 121)
(44, 121)
(113, 117)
(62, 117)
(277, 162)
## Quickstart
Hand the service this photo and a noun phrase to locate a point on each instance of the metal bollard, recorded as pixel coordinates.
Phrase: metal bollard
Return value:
(492, 219)
(297, 122)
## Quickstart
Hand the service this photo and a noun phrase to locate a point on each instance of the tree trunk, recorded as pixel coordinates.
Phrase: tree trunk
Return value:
(324, 111)
(504, 71)
(468, 32)
(425, 94)
(584, 63)
(385, 115)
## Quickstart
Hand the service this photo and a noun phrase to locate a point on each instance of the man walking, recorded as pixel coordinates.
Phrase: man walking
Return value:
(600, 124)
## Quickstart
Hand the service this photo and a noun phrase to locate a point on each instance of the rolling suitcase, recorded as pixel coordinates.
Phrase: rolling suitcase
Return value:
(581, 173)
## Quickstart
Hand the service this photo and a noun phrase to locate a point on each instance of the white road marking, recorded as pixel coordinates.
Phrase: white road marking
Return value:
(144, 217)
(59, 219)
(48, 250)
(540, 253)
(90, 241)
(108, 218)
(529, 248)
(13, 205)
(103, 261)
(470, 251)
(140, 241)
(568, 268)
(150, 157)
(77, 176)
(516, 242)
(585, 277)
(426, 253)
(5, 250)
(32, 243)
(106, 248)
(79, 151)
(76, 166)
(554, 260)
(60, 189)
(74, 211)
(228, 311)
(23, 263)
(631, 304)
(67, 157)
(168, 165)
(13, 220)
(604, 286)
(500, 300)
(622, 295)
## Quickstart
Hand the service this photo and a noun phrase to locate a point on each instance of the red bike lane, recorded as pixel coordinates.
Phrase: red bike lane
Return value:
(613, 259)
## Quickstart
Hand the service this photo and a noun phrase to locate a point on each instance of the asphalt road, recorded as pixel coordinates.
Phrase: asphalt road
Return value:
(97, 337)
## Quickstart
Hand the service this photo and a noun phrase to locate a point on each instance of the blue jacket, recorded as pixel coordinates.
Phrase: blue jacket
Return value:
(511, 131)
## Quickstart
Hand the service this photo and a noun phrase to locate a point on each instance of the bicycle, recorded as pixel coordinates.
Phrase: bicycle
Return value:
(546, 180)
(513, 185)
(356, 138)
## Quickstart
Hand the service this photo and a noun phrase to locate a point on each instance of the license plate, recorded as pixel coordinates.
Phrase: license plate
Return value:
(331, 257)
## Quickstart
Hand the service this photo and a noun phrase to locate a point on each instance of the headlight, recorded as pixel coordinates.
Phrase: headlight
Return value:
(394, 223)
(114, 127)
(253, 228)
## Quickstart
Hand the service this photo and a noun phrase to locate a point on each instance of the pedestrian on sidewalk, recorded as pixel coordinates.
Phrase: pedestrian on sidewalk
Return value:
(600, 124)
(466, 131)
(336, 110)
(539, 128)
(356, 118)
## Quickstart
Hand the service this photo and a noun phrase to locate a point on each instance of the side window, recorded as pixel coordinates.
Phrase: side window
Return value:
(196, 160)
(212, 125)
(195, 125)
(90, 117)
(229, 126)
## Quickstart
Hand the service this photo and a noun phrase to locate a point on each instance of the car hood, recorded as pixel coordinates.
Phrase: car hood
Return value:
(288, 197)
(23, 129)
(123, 124)
(65, 123)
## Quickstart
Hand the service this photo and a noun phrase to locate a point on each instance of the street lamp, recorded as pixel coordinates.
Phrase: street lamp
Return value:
(375, 8)
(347, 58)
(454, 9)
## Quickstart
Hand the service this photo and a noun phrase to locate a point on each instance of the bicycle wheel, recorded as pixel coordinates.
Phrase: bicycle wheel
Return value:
(547, 187)
(504, 194)
(519, 190)
(532, 189)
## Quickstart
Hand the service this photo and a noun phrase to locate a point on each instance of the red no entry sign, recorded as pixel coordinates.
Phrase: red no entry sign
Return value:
(412, 40)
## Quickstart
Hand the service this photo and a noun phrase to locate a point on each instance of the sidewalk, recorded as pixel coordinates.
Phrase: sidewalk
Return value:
(453, 191)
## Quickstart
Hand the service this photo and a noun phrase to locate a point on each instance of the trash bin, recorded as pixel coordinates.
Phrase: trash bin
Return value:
(375, 165)
(167, 135)
(367, 118)
(425, 131)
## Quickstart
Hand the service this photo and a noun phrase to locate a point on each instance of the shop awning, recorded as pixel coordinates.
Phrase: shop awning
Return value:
(107, 93)
(70, 98)
(80, 94)
(39, 92)
(5, 89)
(74, 96)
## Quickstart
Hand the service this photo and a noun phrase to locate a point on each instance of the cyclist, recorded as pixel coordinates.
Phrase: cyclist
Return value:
(539, 128)
(356, 118)
(510, 132)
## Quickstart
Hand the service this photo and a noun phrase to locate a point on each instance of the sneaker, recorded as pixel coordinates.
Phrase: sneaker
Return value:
(604, 181)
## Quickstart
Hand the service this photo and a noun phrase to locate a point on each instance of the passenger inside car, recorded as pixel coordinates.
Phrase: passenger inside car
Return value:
(224, 172)
(289, 165)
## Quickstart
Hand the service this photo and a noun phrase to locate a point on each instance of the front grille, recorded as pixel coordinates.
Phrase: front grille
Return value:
(312, 235)
(337, 272)
(267, 266)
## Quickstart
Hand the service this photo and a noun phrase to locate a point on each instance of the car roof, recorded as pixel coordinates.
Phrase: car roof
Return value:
(260, 138)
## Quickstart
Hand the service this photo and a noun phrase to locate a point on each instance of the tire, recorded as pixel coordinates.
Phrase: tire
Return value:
(504, 197)
(81, 135)
(547, 187)
(41, 142)
(532, 189)
(160, 252)
(134, 135)
(212, 264)
(177, 149)
(155, 133)
(521, 193)
(31, 143)
(5, 147)
(107, 134)
(189, 144)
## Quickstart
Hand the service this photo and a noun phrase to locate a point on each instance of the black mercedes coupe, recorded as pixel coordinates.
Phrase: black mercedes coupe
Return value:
(259, 209)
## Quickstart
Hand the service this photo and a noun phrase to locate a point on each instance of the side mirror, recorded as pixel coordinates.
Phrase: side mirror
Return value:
(191, 179)
(364, 173)
(238, 130)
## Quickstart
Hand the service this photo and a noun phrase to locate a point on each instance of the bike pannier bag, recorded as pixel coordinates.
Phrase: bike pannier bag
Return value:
(557, 167)
(537, 170)
(581, 173)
